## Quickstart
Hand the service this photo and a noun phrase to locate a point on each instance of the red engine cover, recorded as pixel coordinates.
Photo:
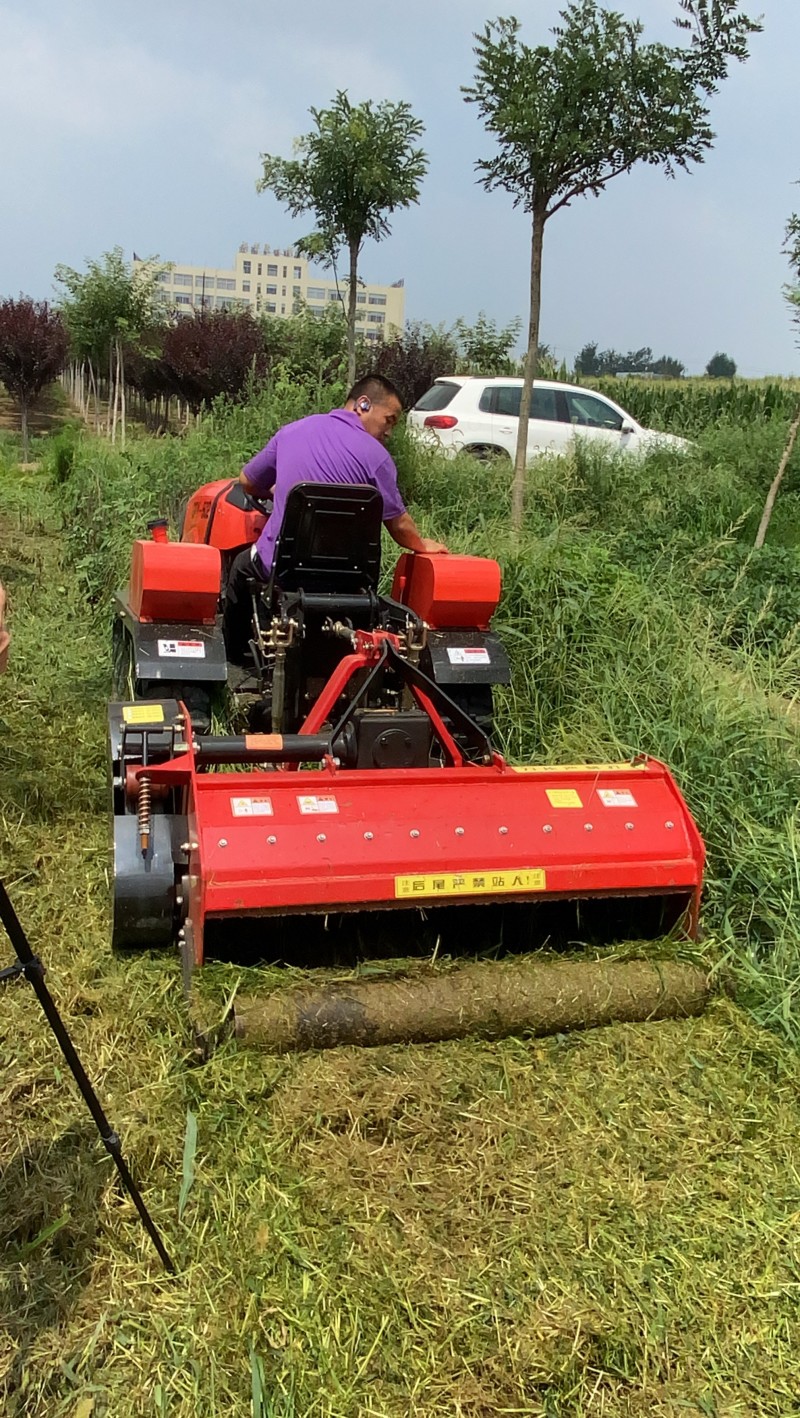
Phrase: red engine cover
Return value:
(174, 581)
(211, 518)
(448, 591)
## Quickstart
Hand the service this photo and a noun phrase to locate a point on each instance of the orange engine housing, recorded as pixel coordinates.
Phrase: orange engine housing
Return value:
(211, 517)
(174, 581)
(448, 591)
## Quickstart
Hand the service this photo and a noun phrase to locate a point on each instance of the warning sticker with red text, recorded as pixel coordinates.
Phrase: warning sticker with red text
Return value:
(616, 797)
(311, 803)
(251, 807)
(181, 649)
(468, 655)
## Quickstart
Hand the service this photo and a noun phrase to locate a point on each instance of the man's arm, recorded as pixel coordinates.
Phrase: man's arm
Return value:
(258, 476)
(398, 522)
(405, 532)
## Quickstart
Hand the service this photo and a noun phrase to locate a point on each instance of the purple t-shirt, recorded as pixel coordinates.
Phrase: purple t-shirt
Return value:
(323, 448)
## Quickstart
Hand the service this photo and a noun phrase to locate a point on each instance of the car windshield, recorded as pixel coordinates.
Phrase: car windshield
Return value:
(437, 397)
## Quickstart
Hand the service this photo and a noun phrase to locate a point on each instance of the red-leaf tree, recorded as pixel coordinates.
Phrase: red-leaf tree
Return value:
(33, 351)
(213, 353)
(413, 358)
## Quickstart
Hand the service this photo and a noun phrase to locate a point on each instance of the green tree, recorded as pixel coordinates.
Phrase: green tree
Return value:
(486, 349)
(107, 307)
(570, 117)
(668, 367)
(721, 366)
(33, 351)
(312, 348)
(359, 164)
(791, 248)
(587, 360)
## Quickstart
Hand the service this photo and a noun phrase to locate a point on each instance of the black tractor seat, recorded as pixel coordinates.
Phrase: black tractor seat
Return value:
(329, 543)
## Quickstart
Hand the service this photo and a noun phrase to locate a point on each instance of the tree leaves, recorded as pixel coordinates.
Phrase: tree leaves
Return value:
(33, 350)
(108, 301)
(33, 345)
(211, 353)
(570, 117)
(359, 164)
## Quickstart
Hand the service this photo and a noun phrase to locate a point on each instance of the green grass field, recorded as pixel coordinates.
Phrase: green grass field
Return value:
(601, 1223)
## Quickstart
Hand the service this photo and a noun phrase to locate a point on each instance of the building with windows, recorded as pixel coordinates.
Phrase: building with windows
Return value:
(278, 283)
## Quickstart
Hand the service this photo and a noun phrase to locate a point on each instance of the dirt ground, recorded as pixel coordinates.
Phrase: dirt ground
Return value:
(46, 416)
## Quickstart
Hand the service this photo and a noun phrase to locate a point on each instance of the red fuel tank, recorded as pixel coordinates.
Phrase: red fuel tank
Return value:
(174, 581)
(448, 591)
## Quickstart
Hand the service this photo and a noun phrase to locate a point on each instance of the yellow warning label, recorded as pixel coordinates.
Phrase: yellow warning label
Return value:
(471, 883)
(579, 767)
(143, 713)
(563, 797)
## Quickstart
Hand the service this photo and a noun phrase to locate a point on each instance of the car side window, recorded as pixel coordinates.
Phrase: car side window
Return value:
(591, 412)
(544, 405)
(506, 400)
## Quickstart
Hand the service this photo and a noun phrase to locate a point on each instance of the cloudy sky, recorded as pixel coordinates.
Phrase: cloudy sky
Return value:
(141, 126)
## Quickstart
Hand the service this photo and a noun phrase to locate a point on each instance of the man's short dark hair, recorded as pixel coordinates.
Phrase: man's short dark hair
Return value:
(376, 388)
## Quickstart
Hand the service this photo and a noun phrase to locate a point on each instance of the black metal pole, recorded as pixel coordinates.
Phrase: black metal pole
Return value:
(32, 968)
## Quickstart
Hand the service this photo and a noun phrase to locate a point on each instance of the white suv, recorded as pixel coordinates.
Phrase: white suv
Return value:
(463, 412)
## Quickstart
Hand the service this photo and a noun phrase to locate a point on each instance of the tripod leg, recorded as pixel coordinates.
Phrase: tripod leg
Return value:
(32, 968)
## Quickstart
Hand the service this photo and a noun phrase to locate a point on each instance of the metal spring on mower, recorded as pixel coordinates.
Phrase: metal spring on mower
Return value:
(143, 813)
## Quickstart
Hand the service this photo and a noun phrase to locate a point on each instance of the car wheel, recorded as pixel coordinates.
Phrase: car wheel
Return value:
(486, 452)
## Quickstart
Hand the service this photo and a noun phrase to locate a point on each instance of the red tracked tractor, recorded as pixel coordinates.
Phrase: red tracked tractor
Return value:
(366, 779)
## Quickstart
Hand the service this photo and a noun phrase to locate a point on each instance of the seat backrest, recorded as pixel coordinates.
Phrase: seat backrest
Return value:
(330, 539)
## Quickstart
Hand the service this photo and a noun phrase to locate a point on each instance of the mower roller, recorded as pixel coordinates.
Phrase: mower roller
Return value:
(366, 778)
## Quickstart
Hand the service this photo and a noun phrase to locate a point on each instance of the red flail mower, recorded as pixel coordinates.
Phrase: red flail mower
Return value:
(366, 779)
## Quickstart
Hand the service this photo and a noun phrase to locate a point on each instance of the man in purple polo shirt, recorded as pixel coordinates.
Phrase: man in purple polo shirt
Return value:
(345, 446)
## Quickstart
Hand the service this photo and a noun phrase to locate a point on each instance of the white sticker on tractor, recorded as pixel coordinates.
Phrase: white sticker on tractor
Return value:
(251, 807)
(181, 649)
(468, 655)
(616, 797)
(313, 803)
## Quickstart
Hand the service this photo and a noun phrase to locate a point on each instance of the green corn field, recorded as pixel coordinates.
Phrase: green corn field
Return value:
(690, 405)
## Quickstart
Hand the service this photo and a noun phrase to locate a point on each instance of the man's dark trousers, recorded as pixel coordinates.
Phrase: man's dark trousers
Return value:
(237, 620)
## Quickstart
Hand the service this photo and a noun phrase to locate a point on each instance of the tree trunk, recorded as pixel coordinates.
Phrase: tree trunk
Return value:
(529, 374)
(778, 479)
(112, 396)
(121, 381)
(23, 419)
(95, 396)
(489, 1001)
(351, 315)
